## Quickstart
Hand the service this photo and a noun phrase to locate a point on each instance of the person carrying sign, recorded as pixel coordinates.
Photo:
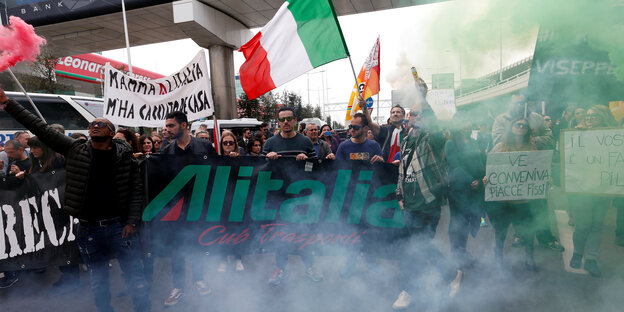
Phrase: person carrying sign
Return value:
(543, 139)
(103, 192)
(420, 193)
(589, 210)
(517, 138)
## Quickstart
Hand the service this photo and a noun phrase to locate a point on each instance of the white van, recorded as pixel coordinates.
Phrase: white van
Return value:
(61, 109)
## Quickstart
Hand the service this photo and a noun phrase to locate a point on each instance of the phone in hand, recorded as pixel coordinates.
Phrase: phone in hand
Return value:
(328, 133)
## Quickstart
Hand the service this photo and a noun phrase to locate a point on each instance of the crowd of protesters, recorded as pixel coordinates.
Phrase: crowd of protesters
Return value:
(436, 166)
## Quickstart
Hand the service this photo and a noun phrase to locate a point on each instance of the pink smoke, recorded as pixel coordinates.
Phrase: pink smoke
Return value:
(18, 42)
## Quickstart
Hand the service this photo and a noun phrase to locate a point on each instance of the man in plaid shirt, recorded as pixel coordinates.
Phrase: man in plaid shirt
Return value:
(420, 193)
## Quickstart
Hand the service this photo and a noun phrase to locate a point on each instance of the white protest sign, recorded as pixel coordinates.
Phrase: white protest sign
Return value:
(442, 101)
(518, 175)
(134, 102)
(593, 161)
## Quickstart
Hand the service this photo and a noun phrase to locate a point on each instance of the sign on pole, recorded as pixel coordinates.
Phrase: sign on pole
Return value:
(518, 175)
(134, 102)
(442, 101)
(593, 161)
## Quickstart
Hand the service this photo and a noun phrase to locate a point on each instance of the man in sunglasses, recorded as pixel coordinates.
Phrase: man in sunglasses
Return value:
(543, 138)
(359, 147)
(289, 143)
(103, 192)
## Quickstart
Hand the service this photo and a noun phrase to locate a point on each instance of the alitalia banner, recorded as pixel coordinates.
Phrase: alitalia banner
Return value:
(249, 204)
(134, 102)
(222, 205)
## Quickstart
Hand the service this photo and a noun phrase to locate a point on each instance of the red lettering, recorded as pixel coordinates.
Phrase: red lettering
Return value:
(201, 236)
(270, 227)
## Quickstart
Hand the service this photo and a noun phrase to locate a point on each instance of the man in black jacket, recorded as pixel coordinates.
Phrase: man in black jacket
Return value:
(104, 192)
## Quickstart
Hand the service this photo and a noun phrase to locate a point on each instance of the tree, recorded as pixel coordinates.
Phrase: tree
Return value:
(337, 125)
(43, 74)
(248, 108)
(270, 106)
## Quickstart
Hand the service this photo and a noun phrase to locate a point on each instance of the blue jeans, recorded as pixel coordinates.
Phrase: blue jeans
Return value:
(96, 244)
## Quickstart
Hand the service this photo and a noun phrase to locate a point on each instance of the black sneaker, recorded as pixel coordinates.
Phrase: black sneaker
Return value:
(591, 266)
(576, 260)
(7, 282)
(554, 245)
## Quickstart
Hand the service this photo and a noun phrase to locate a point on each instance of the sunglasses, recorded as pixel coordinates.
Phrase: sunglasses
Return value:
(547, 119)
(355, 127)
(282, 119)
(521, 126)
(228, 143)
(100, 124)
(157, 141)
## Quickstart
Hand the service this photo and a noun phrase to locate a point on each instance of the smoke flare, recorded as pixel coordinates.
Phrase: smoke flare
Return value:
(18, 42)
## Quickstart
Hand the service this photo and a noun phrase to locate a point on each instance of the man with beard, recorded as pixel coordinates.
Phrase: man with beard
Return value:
(103, 192)
(388, 136)
(290, 143)
(185, 145)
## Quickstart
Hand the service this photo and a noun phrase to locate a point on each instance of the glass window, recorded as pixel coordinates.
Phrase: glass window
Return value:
(53, 109)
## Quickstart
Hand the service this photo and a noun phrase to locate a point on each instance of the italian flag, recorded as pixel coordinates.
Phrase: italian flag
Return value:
(303, 35)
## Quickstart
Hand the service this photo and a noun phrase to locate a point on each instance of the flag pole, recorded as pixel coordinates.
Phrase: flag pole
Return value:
(354, 76)
(125, 23)
(26, 94)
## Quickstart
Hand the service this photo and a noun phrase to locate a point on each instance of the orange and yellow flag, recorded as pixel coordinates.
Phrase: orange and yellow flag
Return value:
(367, 81)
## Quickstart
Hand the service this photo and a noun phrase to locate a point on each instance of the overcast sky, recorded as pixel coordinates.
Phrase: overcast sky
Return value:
(420, 36)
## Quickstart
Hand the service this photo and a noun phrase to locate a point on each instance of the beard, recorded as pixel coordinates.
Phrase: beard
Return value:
(99, 139)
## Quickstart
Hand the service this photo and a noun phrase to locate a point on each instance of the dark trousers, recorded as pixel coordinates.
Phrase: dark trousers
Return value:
(416, 251)
(541, 221)
(178, 267)
(502, 214)
(466, 210)
(96, 244)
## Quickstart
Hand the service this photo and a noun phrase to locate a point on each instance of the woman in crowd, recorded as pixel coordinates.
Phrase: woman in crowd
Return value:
(589, 211)
(44, 159)
(579, 118)
(466, 165)
(517, 138)
(146, 144)
(130, 138)
(157, 140)
(328, 135)
(254, 147)
(229, 147)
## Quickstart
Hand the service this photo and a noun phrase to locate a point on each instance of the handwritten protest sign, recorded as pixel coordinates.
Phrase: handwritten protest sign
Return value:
(130, 101)
(593, 161)
(518, 175)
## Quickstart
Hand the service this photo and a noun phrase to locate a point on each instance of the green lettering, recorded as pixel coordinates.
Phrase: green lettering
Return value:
(314, 201)
(241, 191)
(359, 197)
(338, 196)
(373, 213)
(264, 185)
(174, 187)
(217, 195)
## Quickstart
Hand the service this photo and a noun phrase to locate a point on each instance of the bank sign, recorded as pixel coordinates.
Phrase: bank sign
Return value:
(47, 12)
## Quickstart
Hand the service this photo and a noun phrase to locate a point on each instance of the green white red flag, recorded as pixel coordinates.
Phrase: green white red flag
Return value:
(303, 35)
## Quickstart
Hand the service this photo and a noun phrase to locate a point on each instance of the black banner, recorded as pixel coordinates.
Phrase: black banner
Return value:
(36, 233)
(46, 12)
(250, 204)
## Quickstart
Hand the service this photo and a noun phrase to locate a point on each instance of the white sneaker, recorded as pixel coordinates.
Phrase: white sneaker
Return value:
(222, 267)
(456, 283)
(174, 297)
(239, 265)
(202, 288)
(403, 301)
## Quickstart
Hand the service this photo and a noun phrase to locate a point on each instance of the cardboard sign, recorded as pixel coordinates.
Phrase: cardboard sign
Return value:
(593, 161)
(518, 175)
